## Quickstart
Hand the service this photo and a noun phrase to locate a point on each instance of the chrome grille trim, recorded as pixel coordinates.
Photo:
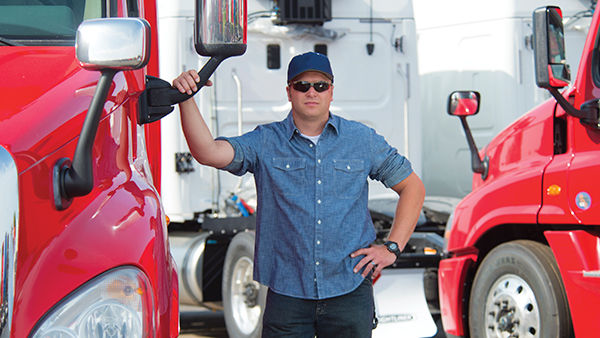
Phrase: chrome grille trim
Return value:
(9, 234)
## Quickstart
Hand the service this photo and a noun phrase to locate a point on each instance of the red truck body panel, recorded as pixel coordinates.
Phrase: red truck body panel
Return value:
(152, 130)
(45, 97)
(578, 256)
(453, 272)
(530, 186)
(511, 193)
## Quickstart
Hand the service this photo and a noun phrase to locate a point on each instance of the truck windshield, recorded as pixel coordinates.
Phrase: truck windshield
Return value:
(45, 23)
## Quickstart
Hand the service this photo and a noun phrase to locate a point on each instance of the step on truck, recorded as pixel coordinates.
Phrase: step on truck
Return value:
(523, 247)
(83, 234)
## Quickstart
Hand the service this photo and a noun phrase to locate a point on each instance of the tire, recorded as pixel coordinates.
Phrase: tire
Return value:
(243, 298)
(518, 292)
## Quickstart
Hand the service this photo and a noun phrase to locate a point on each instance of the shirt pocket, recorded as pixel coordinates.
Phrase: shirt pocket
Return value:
(289, 175)
(348, 177)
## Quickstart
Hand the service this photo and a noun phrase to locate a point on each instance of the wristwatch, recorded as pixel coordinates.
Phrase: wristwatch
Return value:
(393, 248)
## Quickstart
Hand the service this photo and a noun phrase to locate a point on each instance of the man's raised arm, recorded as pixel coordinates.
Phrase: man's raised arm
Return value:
(204, 148)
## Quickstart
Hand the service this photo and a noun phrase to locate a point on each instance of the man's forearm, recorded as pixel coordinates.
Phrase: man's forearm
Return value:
(201, 143)
(408, 209)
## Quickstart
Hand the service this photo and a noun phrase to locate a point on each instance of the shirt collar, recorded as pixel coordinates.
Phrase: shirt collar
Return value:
(291, 129)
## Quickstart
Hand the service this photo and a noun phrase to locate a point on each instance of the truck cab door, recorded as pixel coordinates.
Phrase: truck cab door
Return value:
(569, 193)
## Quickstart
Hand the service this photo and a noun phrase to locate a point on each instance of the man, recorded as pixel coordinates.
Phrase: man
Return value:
(314, 231)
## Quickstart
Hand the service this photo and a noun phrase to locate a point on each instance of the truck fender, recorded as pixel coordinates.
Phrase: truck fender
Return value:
(576, 253)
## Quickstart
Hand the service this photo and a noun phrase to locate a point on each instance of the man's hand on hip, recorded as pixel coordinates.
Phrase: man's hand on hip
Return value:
(376, 258)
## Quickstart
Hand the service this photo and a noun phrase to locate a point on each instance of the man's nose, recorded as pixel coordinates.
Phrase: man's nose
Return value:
(312, 91)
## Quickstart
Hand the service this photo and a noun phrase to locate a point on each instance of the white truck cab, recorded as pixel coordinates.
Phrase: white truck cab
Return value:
(373, 53)
(377, 86)
(485, 46)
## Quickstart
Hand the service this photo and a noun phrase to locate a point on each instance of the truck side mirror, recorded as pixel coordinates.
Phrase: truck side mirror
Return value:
(115, 43)
(551, 69)
(220, 32)
(220, 27)
(463, 104)
(107, 45)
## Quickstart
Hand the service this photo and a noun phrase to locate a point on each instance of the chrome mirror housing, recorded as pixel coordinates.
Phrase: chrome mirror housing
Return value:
(113, 43)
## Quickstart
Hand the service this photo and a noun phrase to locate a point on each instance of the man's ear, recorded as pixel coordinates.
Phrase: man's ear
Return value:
(289, 94)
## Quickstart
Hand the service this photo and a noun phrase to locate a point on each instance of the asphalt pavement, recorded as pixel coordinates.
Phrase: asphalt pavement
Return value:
(196, 322)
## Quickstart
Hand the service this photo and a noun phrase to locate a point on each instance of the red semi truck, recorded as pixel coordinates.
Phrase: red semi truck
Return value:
(523, 248)
(83, 233)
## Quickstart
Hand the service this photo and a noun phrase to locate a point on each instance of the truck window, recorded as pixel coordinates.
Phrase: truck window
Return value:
(35, 23)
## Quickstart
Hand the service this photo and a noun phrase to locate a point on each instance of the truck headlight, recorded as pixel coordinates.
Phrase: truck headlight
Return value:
(117, 303)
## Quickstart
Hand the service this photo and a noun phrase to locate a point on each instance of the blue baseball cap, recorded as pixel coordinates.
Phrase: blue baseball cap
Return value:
(310, 61)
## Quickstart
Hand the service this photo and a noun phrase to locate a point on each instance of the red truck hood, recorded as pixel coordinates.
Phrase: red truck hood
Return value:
(44, 93)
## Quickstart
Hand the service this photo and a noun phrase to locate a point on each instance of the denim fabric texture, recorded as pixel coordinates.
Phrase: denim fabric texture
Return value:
(347, 316)
(312, 202)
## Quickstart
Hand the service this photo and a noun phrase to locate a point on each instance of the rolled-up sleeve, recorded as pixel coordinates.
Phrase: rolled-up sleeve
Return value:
(245, 152)
(389, 167)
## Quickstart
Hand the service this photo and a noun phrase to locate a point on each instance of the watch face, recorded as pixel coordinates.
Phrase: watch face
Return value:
(393, 246)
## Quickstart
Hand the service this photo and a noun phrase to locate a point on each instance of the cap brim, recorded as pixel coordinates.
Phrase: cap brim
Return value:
(329, 76)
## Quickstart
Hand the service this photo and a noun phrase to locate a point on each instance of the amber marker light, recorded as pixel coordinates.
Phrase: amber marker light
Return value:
(553, 190)
(429, 251)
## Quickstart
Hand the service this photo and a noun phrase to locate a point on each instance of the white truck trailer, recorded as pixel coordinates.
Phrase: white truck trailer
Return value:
(481, 45)
(372, 48)
(372, 45)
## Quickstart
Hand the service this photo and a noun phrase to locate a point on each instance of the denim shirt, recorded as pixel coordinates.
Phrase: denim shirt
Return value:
(312, 202)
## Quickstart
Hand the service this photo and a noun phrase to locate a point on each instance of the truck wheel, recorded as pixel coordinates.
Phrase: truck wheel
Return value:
(518, 292)
(243, 298)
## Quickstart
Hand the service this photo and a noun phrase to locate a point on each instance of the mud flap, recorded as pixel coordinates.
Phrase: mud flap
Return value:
(401, 306)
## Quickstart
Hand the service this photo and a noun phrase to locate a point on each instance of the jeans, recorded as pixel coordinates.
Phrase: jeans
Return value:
(350, 315)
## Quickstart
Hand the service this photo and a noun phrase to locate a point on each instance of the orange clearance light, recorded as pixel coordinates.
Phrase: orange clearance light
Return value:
(429, 251)
(168, 220)
(553, 190)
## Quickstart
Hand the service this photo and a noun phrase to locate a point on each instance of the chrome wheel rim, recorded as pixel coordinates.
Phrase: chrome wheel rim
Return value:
(512, 309)
(244, 296)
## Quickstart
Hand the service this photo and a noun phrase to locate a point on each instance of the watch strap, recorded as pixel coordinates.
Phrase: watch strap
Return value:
(393, 247)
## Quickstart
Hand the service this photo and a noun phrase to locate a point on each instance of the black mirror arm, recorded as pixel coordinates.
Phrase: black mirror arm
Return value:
(477, 165)
(73, 179)
(588, 115)
(158, 98)
(568, 107)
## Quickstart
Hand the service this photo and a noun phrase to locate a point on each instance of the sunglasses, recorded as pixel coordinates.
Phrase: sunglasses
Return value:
(304, 86)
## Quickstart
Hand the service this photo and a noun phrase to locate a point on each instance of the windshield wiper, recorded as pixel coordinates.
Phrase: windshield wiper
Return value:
(9, 42)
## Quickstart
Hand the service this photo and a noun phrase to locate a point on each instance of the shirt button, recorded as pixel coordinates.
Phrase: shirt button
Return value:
(319, 201)
(318, 242)
(319, 182)
(319, 161)
(348, 167)
(319, 222)
(287, 166)
(317, 263)
(310, 145)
